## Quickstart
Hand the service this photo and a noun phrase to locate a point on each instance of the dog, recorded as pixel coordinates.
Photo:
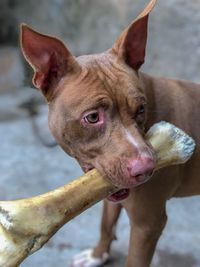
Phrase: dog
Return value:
(100, 107)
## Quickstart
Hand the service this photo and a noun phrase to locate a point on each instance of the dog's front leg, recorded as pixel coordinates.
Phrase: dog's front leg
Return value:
(142, 244)
(111, 212)
(100, 254)
(146, 227)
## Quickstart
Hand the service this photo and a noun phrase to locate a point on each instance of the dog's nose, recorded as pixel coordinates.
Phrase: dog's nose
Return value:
(141, 167)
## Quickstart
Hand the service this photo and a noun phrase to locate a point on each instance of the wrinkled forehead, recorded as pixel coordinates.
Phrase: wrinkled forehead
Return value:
(102, 80)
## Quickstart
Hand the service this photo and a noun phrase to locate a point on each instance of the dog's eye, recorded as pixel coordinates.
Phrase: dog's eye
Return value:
(141, 109)
(140, 115)
(92, 118)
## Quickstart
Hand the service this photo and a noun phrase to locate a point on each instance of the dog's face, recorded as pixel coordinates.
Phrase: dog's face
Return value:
(97, 106)
(98, 118)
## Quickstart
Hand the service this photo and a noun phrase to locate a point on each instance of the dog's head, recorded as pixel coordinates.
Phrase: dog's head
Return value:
(97, 106)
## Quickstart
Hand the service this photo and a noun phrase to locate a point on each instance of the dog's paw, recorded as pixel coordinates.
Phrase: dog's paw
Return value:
(85, 259)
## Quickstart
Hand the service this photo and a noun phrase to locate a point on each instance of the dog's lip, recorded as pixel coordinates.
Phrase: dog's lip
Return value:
(119, 195)
(131, 182)
(87, 167)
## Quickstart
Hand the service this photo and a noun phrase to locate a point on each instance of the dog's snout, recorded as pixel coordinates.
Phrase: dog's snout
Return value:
(141, 167)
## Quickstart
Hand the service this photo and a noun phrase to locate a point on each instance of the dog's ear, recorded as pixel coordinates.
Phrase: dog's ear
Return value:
(49, 58)
(131, 44)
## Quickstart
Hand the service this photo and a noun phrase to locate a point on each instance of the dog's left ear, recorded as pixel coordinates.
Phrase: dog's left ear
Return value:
(131, 44)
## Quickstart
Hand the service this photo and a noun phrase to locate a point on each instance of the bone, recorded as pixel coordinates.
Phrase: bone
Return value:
(27, 224)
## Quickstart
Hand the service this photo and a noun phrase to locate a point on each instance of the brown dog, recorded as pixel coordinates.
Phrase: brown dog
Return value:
(99, 108)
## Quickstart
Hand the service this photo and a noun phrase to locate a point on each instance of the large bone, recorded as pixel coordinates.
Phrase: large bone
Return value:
(27, 224)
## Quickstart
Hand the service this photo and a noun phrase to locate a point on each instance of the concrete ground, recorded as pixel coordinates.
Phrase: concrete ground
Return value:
(28, 168)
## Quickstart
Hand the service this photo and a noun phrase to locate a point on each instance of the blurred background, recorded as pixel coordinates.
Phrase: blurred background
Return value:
(30, 164)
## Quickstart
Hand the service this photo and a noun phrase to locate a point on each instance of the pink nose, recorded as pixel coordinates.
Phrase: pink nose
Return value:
(141, 167)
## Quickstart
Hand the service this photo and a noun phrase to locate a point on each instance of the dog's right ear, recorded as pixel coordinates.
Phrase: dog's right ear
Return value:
(49, 58)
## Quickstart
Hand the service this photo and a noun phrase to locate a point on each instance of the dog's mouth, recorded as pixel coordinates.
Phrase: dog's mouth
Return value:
(124, 193)
(119, 195)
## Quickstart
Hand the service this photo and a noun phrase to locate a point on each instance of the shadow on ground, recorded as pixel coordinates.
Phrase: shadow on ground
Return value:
(165, 259)
(170, 259)
(117, 259)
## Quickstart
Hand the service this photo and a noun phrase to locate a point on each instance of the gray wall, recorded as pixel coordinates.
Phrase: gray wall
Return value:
(89, 26)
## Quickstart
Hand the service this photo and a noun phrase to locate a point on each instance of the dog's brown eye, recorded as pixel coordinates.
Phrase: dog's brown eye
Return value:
(92, 118)
(141, 109)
